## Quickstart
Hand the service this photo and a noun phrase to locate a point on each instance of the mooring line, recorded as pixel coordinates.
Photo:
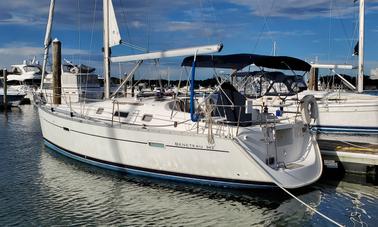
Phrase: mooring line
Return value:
(308, 206)
(285, 190)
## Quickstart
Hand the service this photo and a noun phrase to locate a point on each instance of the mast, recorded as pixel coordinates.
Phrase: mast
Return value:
(106, 49)
(47, 40)
(360, 83)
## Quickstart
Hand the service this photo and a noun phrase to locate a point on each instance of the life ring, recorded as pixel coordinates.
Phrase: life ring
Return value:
(309, 108)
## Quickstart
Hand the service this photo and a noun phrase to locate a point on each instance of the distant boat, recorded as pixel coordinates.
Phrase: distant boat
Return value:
(79, 82)
(25, 77)
(345, 114)
(14, 96)
(183, 138)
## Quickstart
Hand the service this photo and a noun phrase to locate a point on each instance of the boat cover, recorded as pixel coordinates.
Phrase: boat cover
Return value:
(239, 61)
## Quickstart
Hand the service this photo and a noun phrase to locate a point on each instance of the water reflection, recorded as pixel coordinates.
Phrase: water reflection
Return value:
(117, 199)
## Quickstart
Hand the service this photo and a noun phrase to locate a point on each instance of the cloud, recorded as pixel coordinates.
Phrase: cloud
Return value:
(289, 33)
(180, 26)
(299, 9)
(16, 52)
(23, 12)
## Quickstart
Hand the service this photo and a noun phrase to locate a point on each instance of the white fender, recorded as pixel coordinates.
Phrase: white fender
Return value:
(309, 109)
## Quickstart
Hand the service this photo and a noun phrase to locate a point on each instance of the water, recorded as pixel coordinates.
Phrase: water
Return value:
(41, 188)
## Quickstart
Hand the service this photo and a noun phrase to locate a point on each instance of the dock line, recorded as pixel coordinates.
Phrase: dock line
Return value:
(289, 193)
(306, 205)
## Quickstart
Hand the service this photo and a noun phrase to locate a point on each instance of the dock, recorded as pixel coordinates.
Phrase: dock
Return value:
(353, 158)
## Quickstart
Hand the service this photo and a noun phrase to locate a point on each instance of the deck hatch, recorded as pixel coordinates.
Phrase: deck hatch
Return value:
(121, 114)
(147, 117)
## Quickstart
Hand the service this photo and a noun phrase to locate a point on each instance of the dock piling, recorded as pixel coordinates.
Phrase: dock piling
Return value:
(132, 86)
(5, 98)
(314, 77)
(57, 72)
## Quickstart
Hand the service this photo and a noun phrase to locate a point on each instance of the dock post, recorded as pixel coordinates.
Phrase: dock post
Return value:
(132, 86)
(313, 80)
(57, 72)
(125, 86)
(5, 97)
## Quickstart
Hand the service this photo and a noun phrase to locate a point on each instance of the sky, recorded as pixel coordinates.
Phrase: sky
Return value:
(318, 30)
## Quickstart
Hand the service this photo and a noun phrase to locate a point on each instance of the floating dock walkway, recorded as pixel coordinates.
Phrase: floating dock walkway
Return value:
(353, 157)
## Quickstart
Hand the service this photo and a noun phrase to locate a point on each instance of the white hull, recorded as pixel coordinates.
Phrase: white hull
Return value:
(14, 97)
(177, 155)
(343, 116)
(348, 117)
(355, 117)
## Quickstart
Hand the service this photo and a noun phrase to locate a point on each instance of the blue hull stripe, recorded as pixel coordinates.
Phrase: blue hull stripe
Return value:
(344, 129)
(160, 174)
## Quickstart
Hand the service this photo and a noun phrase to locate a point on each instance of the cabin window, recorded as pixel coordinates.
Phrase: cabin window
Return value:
(121, 114)
(31, 68)
(16, 71)
(100, 110)
(14, 82)
(28, 82)
(147, 117)
(87, 79)
(182, 105)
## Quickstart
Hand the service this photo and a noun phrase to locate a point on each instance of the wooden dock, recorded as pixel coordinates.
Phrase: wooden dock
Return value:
(353, 157)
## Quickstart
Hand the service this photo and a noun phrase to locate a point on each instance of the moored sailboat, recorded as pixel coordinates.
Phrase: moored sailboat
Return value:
(182, 138)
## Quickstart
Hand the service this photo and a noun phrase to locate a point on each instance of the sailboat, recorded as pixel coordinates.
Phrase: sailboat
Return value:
(344, 115)
(181, 137)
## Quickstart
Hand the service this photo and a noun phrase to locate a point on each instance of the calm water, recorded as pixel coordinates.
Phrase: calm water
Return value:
(39, 187)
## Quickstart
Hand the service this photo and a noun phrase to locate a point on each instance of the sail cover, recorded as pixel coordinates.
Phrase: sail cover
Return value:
(114, 36)
(239, 61)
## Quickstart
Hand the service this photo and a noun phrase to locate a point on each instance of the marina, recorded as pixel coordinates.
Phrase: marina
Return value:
(262, 139)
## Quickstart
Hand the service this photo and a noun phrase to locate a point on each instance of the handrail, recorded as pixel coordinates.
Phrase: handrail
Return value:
(115, 102)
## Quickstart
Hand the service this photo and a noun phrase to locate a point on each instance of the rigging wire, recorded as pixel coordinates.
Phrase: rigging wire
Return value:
(129, 43)
(133, 46)
(350, 41)
(91, 43)
(202, 14)
(355, 31)
(78, 56)
(265, 25)
(79, 29)
(330, 30)
(148, 28)
(216, 21)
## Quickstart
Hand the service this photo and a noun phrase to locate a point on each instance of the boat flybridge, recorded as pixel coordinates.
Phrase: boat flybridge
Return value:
(25, 77)
(78, 83)
(218, 139)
